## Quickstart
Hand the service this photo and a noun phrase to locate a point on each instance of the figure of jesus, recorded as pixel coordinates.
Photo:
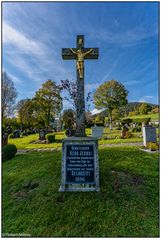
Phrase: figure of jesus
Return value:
(80, 58)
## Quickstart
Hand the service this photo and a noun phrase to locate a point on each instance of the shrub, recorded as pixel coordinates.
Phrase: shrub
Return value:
(152, 146)
(29, 132)
(127, 121)
(8, 151)
(11, 136)
(50, 138)
(89, 125)
(136, 129)
(99, 123)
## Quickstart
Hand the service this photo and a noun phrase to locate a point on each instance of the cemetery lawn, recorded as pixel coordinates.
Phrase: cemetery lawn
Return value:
(126, 206)
(26, 142)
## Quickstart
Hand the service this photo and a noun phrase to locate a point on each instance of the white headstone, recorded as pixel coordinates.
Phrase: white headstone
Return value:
(97, 132)
(149, 135)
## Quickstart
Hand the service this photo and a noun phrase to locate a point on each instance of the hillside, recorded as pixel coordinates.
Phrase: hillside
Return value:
(131, 106)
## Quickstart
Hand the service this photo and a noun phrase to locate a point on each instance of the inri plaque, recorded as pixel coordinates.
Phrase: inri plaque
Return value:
(80, 164)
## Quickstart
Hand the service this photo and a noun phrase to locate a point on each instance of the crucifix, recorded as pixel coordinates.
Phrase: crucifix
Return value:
(80, 54)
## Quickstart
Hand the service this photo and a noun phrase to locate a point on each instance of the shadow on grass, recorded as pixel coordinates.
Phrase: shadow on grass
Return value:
(126, 206)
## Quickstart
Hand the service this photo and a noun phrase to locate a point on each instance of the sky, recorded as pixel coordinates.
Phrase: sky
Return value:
(126, 33)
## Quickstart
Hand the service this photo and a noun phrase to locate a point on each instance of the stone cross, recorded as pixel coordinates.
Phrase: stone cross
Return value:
(80, 54)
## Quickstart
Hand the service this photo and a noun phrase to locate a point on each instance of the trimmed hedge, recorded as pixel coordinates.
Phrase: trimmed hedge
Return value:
(127, 121)
(8, 151)
(50, 138)
(136, 129)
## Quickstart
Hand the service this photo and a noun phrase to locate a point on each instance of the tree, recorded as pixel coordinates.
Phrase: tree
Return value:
(115, 114)
(70, 87)
(9, 94)
(110, 95)
(25, 110)
(68, 118)
(145, 108)
(48, 102)
(11, 123)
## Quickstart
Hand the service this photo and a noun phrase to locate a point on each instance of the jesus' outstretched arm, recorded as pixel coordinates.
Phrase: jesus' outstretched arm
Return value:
(86, 53)
(73, 51)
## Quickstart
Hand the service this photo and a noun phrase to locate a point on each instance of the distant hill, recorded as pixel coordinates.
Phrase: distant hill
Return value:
(130, 107)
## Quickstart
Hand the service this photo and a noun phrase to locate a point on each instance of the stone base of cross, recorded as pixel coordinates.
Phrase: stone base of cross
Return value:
(80, 54)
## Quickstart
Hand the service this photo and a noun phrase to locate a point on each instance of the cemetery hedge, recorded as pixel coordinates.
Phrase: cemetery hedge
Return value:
(8, 152)
(126, 206)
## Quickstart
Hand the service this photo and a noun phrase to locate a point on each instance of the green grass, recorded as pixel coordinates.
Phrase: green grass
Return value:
(152, 116)
(126, 206)
(25, 142)
(118, 141)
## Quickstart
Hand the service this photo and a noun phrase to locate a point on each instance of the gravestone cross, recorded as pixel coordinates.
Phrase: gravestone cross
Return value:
(80, 54)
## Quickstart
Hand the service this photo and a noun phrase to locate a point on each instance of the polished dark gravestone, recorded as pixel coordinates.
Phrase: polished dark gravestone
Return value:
(80, 166)
(42, 134)
(16, 133)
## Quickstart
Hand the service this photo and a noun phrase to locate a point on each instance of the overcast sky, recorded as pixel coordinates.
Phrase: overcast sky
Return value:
(126, 34)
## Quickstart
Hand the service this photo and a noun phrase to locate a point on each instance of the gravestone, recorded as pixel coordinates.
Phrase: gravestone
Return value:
(42, 134)
(80, 167)
(97, 132)
(149, 135)
(16, 133)
(124, 131)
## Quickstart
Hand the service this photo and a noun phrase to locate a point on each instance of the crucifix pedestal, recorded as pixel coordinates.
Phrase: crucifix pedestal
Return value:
(80, 167)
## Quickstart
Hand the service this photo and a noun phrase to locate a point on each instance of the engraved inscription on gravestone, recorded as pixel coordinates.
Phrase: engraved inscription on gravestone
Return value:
(80, 164)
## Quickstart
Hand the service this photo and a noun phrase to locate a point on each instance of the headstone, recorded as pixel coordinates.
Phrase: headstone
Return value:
(16, 133)
(124, 131)
(149, 135)
(80, 167)
(42, 134)
(97, 132)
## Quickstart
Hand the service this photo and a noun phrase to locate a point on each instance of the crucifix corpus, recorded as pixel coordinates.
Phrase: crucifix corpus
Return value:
(80, 54)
